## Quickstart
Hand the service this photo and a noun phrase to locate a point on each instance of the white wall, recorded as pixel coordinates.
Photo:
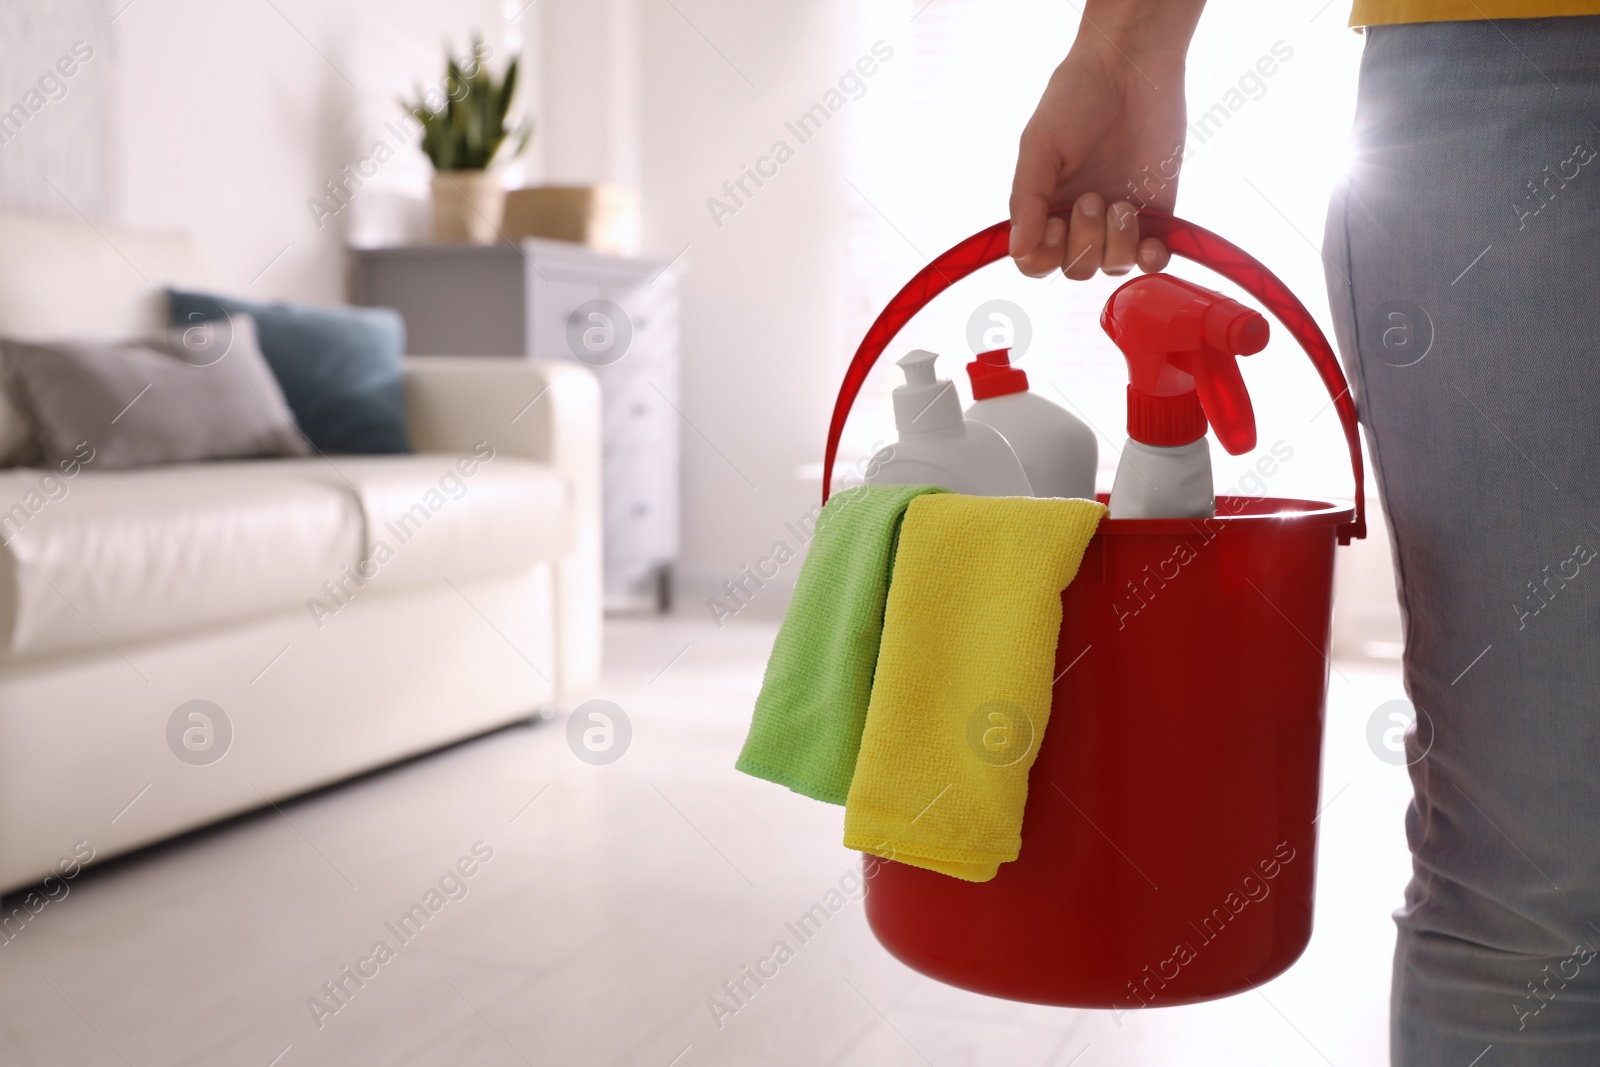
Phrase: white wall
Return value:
(760, 323)
(589, 92)
(230, 116)
(57, 76)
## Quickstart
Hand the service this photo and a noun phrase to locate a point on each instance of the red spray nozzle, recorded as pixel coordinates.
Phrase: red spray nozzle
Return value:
(1180, 340)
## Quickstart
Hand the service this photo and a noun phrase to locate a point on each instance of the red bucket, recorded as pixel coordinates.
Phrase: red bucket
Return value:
(1169, 840)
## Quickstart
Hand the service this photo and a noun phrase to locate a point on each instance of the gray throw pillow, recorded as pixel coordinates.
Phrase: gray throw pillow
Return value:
(194, 394)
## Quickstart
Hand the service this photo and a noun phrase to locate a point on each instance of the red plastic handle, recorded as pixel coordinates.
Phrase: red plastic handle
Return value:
(1184, 239)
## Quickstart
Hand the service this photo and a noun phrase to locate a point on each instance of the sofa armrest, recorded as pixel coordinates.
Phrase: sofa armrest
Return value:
(542, 409)
(545, 410)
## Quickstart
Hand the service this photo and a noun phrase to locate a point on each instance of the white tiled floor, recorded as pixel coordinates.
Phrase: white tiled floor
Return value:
(615, 905)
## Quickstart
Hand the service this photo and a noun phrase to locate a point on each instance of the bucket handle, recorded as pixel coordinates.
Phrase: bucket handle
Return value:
(1183, 238)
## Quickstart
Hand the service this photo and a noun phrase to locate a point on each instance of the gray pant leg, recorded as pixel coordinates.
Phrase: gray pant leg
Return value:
(1464, 271)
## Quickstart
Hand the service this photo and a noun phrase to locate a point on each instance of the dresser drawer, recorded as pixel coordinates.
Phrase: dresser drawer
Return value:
(636, 415)
(637, 531)
(652, 311)
(555, 307)
(646, 330)
(639, 493)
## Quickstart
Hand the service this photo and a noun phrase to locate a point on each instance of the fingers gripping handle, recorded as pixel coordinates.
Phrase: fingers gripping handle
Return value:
(1182, 238)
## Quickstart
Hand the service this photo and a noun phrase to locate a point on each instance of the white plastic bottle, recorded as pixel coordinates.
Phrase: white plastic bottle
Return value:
(1058, 450)
(938, 445)
(1164, 482)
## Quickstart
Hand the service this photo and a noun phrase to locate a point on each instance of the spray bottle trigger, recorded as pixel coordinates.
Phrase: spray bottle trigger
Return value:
(1225, 401)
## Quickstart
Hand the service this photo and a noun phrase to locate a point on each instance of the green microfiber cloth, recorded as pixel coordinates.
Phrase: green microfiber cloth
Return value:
(813, 704)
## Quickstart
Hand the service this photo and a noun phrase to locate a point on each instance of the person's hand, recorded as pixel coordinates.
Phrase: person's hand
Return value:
(1106, 139)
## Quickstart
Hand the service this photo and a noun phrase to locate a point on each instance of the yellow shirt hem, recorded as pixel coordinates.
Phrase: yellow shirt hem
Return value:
(1397, 12)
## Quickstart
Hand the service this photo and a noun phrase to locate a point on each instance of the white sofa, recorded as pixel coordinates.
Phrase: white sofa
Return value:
(125, 594)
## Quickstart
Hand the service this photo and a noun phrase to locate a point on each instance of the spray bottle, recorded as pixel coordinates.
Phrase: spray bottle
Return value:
(1180, 341)
(938, 445)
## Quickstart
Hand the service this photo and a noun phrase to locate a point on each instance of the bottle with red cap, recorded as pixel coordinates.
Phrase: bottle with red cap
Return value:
(1180, 341)
(1057, 449)
(940, 446)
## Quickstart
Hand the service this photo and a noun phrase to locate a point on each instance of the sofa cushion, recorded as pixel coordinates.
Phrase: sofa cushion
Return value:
(171, 400)
(115, 556)
(63, 278)
(121, 556)
(340, 367)
(434, 516)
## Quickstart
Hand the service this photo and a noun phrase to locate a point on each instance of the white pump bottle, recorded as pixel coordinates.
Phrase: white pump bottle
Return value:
(938, 445)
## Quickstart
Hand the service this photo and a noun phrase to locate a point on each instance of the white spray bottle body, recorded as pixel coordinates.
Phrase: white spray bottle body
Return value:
(1163, 482)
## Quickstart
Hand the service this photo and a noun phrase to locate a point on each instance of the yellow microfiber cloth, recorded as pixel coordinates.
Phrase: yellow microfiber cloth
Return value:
(961, 695)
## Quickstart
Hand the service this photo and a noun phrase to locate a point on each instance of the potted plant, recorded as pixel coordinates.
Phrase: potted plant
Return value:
(465, 136)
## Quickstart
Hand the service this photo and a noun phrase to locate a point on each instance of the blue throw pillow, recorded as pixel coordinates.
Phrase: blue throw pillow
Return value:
(339, 367)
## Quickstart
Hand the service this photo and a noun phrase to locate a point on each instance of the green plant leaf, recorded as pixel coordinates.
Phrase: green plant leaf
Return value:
(469, 130)
(508, 87)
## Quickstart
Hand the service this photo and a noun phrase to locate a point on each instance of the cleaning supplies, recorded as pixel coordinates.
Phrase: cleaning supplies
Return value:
(1182, 751)
(962, 693)
(813, 701)
(938, 445)
(1180, 341)
(1057, 449)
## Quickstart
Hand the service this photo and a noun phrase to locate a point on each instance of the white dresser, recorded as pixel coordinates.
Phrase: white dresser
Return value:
(553, 300)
